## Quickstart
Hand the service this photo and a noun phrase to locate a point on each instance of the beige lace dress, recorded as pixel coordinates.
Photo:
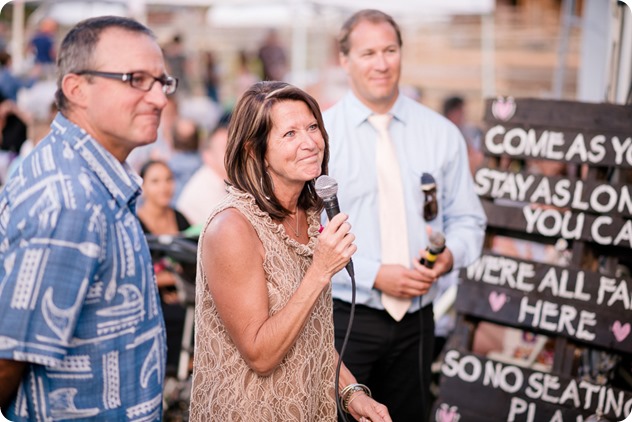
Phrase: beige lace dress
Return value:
(301, 388)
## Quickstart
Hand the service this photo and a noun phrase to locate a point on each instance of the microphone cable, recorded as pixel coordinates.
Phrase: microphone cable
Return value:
(326, 188)
(424, 396)
(436, 247)
(344, 346)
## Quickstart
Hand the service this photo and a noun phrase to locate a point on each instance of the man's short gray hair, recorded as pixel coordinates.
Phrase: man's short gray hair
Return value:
(75, 53)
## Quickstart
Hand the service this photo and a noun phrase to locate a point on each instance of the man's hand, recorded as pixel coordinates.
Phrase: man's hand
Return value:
(399, 281)
(442, 265)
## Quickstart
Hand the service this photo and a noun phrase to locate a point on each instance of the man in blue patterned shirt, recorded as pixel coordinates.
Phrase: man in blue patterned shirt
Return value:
(81, 329)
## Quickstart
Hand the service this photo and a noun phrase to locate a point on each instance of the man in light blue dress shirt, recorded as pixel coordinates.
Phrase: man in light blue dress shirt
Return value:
(81, 329)
(384, 353)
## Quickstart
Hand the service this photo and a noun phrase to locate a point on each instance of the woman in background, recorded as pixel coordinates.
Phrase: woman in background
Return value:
(157, 217)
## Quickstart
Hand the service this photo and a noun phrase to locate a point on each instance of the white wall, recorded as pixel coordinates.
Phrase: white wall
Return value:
(605, 70)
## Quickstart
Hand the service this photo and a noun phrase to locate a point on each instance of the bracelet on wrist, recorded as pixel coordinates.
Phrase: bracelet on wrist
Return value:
(348, 393)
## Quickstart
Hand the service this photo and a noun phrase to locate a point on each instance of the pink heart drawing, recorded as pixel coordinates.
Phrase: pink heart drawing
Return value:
(620, 331)
(497, 300)
(445, 414)
(503, 108)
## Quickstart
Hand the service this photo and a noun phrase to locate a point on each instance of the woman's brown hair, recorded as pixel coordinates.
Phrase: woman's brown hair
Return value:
(248, 130)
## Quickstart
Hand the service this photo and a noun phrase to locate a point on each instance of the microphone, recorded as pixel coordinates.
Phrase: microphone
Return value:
(326, 189)
(436, 246)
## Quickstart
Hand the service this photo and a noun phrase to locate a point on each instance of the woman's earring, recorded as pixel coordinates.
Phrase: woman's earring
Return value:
(262, 188)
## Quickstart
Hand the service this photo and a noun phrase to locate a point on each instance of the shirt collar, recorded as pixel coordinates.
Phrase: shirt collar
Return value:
(118, 178)
(360, 113)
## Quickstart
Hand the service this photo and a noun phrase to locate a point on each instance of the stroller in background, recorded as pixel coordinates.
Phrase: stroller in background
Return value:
(182, 251)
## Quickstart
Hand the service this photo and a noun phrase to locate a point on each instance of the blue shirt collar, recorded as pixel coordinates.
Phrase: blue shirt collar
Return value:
(360, 112)
(118, 178)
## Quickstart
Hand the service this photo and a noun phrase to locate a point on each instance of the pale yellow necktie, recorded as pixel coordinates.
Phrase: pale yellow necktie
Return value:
(393, 230)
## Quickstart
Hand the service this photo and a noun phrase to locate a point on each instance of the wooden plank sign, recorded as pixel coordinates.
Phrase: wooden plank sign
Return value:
(597, 150)
(609, 230)
(560, 192)
(560, 115)
(585, 306)
(596, 134)
(474, 388)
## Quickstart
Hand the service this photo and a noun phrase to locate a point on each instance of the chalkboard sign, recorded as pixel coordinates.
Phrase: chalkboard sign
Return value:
(560, 192)
(474, 388)
(595, 134)
(552, 222)
(575, 147)
(583, 306)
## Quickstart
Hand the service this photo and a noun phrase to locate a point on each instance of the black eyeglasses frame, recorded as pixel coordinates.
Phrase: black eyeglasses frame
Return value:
(168, 87)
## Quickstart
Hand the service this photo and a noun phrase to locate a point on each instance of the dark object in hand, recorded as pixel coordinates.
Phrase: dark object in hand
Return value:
(429, 188)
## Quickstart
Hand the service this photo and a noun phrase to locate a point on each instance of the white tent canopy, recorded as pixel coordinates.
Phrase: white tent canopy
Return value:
(256, 13)
(417, 8)
(69, 12)
(300, 15)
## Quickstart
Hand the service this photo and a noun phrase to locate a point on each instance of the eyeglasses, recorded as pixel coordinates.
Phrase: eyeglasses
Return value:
(139, 80)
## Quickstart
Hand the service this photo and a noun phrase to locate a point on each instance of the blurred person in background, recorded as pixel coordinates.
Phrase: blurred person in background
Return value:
(178, 63)
(3, 36)
(37, 130)
(185, 158)
(157, 217)
(211, 76)
(264, 341)
(11, 84)
(245, 77)
(42, 47)
(331, 83)
(273, 58)
(454, 110)
(13, 133)
(206, 188)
